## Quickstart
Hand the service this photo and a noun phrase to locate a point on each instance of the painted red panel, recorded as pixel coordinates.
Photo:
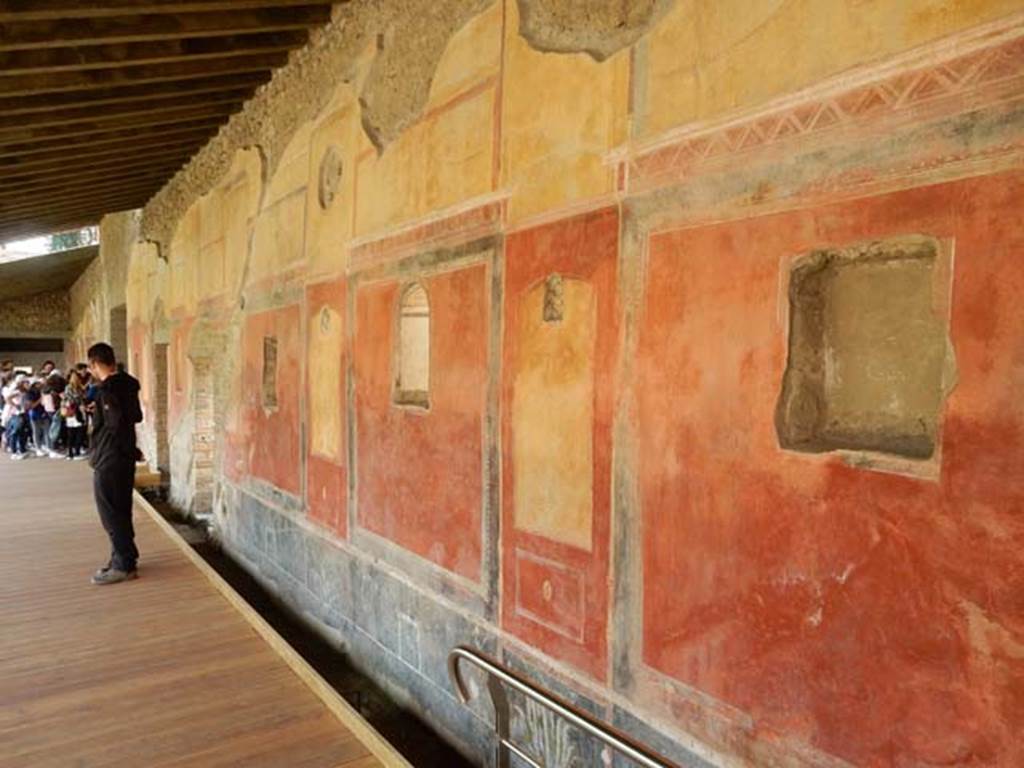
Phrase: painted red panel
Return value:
(583, 247)
(272, 445)
(879, 617)
(419, 479)
(550, 594)
(327, 480)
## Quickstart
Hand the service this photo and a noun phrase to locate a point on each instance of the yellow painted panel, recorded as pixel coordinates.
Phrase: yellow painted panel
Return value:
(211, 269)
(561, 116)
(328, 230)
(292, 172)
(241, 200)
(211, 215)
(440, 161)
(707, 59)
(325, 350)
(184, 248)
(553, 414)
(278, 236)
(473, 54)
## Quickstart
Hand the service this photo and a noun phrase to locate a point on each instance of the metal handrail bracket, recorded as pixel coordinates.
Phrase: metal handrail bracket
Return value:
(499, 677)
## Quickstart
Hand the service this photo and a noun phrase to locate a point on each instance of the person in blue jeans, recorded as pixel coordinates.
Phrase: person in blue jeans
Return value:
(39, 420)
(17, 423)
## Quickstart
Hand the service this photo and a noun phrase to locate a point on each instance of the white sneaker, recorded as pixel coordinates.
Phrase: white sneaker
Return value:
(18, 456)
(40, 453)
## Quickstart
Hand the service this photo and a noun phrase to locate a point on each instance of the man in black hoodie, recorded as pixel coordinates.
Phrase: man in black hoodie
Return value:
(113, 455)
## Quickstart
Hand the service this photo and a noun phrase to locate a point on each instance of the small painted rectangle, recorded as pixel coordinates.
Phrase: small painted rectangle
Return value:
(550, 594)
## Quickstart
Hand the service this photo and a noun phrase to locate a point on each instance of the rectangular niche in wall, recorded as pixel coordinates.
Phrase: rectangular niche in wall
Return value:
(412, 383)
(868, 350)
(269, 386)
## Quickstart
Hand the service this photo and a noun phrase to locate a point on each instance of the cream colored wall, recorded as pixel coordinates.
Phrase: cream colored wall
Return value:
(705, 59)
(561, 116)
(447, 157)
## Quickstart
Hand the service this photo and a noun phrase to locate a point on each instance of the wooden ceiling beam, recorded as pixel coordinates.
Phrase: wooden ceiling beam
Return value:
(141, 146)
(20, 226)
(154, 52)
(117, 111)
(64, 32)
(104, 199)
(17, 188)
(50, 82)
(46, 200)
(35, 134)
(136, 193)
(88, 167)
(125, 137)
(41, 10)
(146, 93)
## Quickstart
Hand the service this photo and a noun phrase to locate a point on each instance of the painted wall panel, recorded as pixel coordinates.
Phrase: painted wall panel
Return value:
(420, 482)
(326, 459)
(797, 587)
(560, 117)
(704, 60)
(273, 450)
(555, 512)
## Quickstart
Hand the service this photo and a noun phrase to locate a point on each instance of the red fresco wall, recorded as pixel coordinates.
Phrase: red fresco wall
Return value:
(273, 450)
(419, 473)
(870, 614)
(573, 625)
(327, 480)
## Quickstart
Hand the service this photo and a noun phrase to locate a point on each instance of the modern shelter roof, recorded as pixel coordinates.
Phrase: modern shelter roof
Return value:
(102, 102)
(38, 274)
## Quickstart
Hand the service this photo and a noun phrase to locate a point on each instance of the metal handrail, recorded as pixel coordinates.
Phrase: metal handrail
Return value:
(498, 676)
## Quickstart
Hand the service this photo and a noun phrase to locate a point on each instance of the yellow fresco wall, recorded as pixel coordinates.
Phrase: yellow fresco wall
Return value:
(279, 230)
(325, 354)
(552, 416)
(329, 229)
(705, 59)
(561, 115)
(448, 155)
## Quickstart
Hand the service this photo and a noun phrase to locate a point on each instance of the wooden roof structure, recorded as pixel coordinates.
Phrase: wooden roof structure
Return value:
(101, 102)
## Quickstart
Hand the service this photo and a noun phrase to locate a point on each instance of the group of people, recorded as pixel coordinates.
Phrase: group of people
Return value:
(49, 414)
(46, 413)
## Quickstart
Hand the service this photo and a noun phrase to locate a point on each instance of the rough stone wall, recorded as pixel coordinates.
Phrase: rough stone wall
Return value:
(668, 563)
(42, 314)
(102, 288)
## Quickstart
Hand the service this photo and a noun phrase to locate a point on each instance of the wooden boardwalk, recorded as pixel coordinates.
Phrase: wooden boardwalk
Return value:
(158, 672)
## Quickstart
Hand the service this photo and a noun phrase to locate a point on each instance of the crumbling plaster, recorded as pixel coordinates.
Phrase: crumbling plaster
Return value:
(410, 37)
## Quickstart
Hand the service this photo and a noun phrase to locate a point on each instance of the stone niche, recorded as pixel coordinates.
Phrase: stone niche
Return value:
(869, 359)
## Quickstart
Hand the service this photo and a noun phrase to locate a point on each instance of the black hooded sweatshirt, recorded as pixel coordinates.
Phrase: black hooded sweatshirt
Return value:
(117, 412)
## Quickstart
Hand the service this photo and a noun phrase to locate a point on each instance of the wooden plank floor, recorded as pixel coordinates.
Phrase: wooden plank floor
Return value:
(157, 672)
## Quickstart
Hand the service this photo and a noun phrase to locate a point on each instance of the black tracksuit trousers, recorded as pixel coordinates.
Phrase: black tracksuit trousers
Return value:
(112, 486)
